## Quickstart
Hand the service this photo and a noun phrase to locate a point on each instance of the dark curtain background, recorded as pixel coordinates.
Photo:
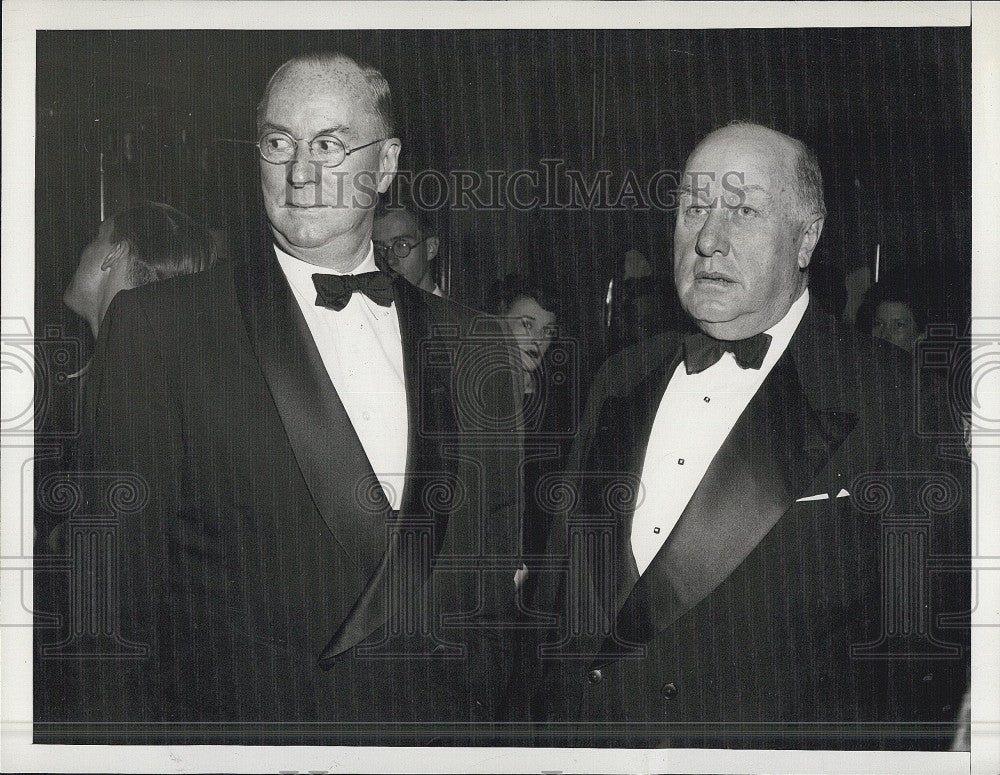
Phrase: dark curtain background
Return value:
(888, 111)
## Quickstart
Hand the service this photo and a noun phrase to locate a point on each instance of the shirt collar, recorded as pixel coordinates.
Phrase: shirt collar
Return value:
(303, 269)
(781, 332)
(299, 274)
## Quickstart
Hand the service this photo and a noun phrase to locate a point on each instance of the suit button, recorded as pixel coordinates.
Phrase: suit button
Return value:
(669, 691)
(594, 676)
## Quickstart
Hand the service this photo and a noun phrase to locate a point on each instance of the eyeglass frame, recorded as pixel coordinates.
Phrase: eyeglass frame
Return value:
(376, 246)
(312, 153)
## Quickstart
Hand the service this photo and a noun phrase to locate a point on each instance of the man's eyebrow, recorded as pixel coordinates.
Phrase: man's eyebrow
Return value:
(269, 126)
(686, 189)
(750, 187)
(691, 191)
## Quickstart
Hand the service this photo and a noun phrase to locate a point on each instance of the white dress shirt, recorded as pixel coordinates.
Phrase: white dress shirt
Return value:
(695, 415)
(362, 350)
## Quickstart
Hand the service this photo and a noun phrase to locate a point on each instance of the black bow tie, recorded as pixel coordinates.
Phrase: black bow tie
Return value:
(702, 351)
(334, 290)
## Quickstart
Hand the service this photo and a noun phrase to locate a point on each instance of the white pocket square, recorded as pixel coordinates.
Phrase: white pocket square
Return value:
(823, 496)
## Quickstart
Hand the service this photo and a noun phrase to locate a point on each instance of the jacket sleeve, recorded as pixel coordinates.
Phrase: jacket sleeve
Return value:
(129, 482)
(476, 598)
(539, 689)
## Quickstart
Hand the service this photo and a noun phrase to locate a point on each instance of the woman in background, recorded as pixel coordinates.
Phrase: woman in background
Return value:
(530, 312)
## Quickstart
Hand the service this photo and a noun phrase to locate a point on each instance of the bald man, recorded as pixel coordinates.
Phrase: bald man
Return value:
(748, 587)
(325, 542)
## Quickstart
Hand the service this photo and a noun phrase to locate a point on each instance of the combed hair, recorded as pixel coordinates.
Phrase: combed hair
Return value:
(508, 289)
(162, 242)
(378, 86)
(900, 293)
(425, 221)
(808, 178)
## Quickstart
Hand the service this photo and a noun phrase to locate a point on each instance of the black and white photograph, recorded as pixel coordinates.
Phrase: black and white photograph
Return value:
(549, 387)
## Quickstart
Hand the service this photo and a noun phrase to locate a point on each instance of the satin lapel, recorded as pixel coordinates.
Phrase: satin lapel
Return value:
(430, 477)
(776, 449)
(329, 454)
(431, 416)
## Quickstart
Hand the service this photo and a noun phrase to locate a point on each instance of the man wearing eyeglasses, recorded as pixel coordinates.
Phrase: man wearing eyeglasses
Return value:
(405, 241)
(323, 538)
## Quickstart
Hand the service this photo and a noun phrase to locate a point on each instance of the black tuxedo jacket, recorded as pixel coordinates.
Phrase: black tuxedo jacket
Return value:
(265, 591)
(776, 614)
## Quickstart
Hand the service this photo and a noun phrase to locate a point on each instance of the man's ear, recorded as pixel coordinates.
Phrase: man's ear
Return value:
(810, 236)
(387, 163)
(118, 251)
(432, 243)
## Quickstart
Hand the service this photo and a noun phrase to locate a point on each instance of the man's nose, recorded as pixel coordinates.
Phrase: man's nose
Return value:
(302, 168)
(713, 237)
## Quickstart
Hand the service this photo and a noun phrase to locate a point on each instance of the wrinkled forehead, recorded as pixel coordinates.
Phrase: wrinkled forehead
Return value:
(339, 74)
(306, 87)
(741, 159)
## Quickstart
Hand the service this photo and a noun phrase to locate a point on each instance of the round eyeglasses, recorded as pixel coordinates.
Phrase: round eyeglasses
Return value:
(400, 247)
(279, 148)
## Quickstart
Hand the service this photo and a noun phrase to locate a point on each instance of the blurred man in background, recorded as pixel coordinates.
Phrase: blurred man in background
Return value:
(147, 242)
(406, 243)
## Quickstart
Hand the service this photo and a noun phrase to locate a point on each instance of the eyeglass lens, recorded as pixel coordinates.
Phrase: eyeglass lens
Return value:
(279, 148)
(400, 247)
